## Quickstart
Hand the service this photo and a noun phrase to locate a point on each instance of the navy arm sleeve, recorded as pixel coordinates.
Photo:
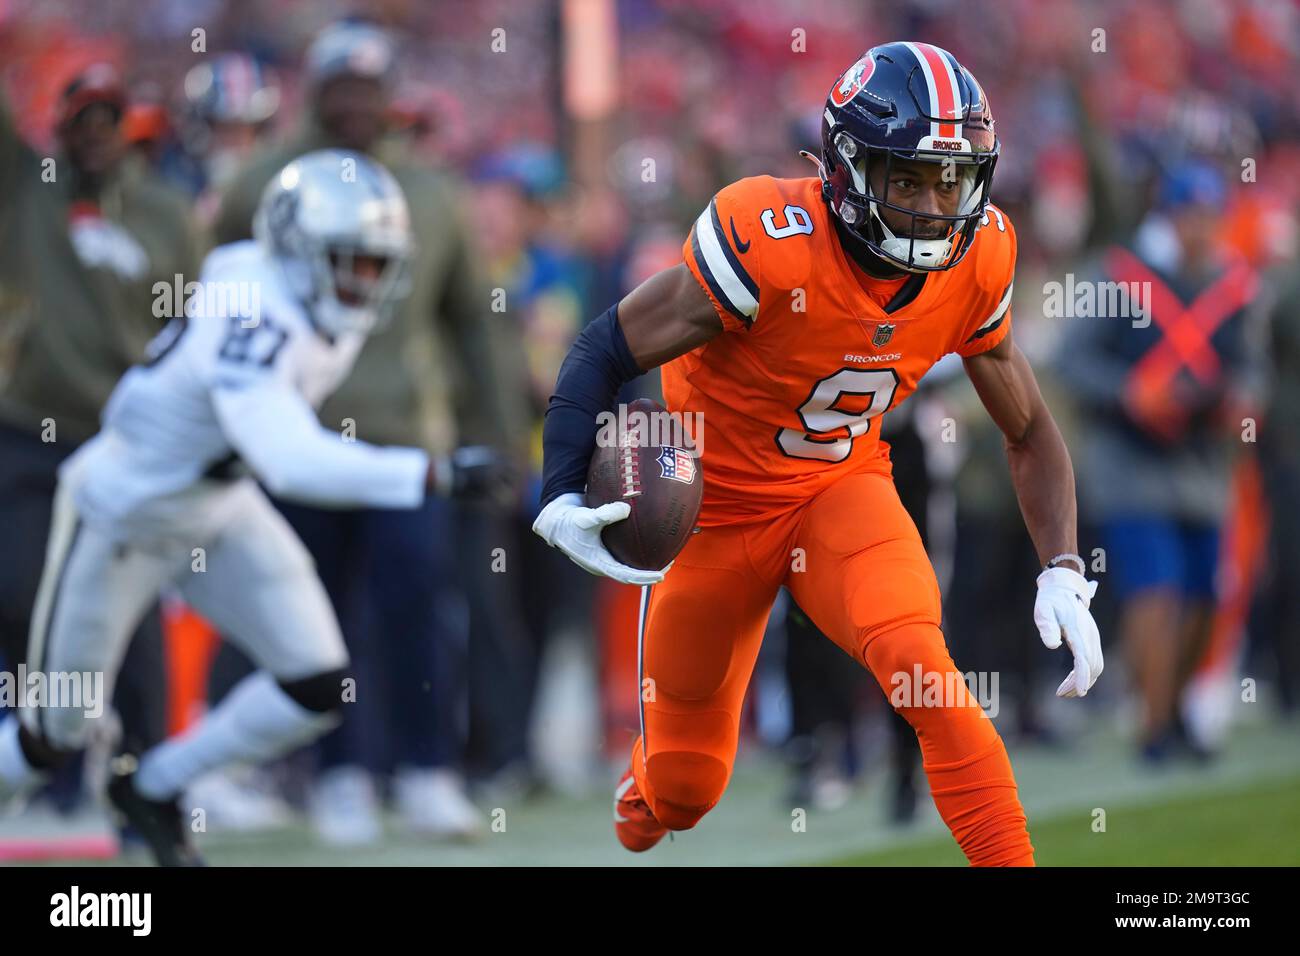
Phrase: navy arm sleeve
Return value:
(597, 366)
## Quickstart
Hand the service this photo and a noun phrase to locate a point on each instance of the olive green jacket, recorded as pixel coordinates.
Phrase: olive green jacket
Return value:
(78, 304)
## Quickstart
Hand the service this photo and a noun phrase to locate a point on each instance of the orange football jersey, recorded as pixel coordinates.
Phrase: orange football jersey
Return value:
(790, 394)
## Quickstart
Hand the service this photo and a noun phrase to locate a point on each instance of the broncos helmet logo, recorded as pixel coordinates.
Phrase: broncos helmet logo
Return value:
(853, 80)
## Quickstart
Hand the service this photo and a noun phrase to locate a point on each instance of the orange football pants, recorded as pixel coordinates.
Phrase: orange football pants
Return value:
(853, 560)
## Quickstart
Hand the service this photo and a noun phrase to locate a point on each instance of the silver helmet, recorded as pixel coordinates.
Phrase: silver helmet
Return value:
(324, 215)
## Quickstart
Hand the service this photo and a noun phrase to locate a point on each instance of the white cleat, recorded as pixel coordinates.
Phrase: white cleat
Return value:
(235, 803)
(344, 809)
(434, 803)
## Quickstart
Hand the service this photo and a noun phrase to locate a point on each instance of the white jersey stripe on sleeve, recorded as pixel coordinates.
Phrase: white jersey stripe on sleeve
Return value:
(994, 320)
(716, 265)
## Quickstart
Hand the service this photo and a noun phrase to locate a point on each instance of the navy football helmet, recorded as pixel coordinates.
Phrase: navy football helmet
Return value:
(907, 101)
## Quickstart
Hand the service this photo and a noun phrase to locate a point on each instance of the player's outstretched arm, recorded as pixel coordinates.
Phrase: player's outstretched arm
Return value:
(277, 434)
(666, 316)
(1044, 481)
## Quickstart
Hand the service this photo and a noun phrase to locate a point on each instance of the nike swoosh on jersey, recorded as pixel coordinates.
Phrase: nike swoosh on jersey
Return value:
(741, 247)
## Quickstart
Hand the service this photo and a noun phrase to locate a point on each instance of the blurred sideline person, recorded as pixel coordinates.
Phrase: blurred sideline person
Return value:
(1279, 453)
(446, 368)
(228, 390)
(516, 192)
(1162, 389)
(991, 553)
(229, 103)
(226, 107)
(84, 237)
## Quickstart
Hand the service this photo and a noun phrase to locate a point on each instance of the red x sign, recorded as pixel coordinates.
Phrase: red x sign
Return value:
(1187, 329)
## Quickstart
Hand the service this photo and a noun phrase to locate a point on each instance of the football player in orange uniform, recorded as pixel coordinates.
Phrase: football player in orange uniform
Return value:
(805, 309)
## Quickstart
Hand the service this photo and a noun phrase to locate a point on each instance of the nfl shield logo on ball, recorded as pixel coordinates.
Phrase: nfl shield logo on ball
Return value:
(883, 334)
(677, 464)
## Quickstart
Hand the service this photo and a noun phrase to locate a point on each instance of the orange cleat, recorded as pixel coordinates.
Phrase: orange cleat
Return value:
(635, 825)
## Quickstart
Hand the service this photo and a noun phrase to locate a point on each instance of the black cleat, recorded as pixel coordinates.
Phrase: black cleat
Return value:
(161, 823)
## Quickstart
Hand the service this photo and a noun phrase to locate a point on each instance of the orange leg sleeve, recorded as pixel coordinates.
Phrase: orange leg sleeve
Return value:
(700, 634)
(868, 584)
(965, 760)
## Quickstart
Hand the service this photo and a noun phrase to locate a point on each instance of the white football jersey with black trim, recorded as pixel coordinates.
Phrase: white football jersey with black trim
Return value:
(242, 330)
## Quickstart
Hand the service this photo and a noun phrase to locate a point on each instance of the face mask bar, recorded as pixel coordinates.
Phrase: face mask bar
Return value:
(368, 293)
(377, 297)
(861, 209)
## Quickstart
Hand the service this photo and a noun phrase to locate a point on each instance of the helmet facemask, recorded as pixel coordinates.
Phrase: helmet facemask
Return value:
(928, 242)
(346, 300)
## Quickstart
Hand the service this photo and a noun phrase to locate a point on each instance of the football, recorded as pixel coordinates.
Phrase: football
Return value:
(641, 458)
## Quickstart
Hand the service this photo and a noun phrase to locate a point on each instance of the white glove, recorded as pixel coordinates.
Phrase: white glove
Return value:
(566, 523)
(1061, 611)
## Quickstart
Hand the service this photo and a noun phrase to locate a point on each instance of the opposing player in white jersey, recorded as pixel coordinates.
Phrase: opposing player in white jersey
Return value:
(163, 495)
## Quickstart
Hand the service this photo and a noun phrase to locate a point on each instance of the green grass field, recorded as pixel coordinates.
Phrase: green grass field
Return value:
(1242, 809)
(1252, 826)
